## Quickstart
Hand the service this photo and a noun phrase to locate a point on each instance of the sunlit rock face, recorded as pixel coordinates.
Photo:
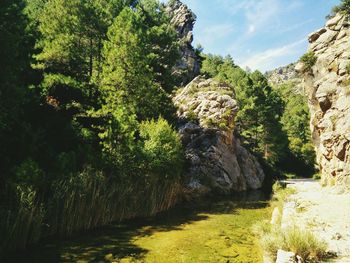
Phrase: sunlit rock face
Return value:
(328, 89)
(183, 19)
(217, 160)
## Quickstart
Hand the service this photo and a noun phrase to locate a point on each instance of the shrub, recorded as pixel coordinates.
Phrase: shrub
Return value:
(309, 59)
(304, 243)
(343, 7)
(161, 148)
(300, 241)
(191, 115)
(29, 173)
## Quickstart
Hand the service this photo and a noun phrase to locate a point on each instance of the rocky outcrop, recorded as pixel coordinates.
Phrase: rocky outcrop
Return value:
(217, 159)
(183, 20)
(284, 74)
(328, 87)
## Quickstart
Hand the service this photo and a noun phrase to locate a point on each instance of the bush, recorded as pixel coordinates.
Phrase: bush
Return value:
(28, 173)
(295, 239)
(309, 59)
(344, 6)
(304, 243)
(161, 148)
(300, 241)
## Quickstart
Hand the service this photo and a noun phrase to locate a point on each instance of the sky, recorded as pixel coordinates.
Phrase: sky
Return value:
(259, 34)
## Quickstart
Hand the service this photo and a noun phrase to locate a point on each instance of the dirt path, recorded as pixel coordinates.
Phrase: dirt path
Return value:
(323, 210)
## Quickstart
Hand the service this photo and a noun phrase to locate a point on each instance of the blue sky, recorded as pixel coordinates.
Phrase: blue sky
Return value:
(260, 34)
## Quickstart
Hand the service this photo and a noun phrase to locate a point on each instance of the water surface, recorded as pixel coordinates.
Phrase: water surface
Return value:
(209, 230)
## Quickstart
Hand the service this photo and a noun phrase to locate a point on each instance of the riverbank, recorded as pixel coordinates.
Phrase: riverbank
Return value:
(201, 231)
(323, 210)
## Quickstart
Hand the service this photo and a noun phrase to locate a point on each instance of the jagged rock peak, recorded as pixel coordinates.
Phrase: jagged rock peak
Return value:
(183, 19)
(207, 110)
(327, 84)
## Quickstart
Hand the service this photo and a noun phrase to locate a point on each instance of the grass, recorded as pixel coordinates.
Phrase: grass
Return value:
(295, 239)
(280, 194)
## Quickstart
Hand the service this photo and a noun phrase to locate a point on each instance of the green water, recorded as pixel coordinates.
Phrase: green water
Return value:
(210, 231)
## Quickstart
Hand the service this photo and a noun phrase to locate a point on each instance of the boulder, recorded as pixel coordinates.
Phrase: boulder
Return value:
(315, 35)
(217, 160)
(334, 21)
(285, 257)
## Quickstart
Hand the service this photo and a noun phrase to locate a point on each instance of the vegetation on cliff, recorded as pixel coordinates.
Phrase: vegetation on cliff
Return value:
(343, 7)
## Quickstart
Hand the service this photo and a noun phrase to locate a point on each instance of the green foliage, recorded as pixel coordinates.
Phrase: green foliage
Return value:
(76, 129)
(22, 225)
(127, 77)
(308, 59)
(281, 193)
(161, 148)
(295, 122)
(343, 7)
(300, 241)
(261, 107)
(211, 65)
(28, 173)
(14, 74)
(162, 46)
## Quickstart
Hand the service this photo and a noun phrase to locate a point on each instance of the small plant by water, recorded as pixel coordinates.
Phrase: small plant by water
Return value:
(302, 242)
(280, 194)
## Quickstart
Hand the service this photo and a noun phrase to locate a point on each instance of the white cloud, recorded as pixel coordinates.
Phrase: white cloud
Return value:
(212, 33)
(271, 58)
(260, 14)
(295, 26)
(257, 13)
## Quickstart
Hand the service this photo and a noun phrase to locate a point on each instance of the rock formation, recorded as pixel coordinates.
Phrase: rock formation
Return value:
(284, 74)
(183, 20)
(328, 87)
(218, 161)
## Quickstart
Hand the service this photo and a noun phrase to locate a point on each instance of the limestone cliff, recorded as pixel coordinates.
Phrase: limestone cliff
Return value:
(183, 20)
(327, 84)
(218, 161)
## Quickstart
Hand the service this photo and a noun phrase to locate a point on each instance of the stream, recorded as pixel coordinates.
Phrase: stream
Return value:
(208, 230)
